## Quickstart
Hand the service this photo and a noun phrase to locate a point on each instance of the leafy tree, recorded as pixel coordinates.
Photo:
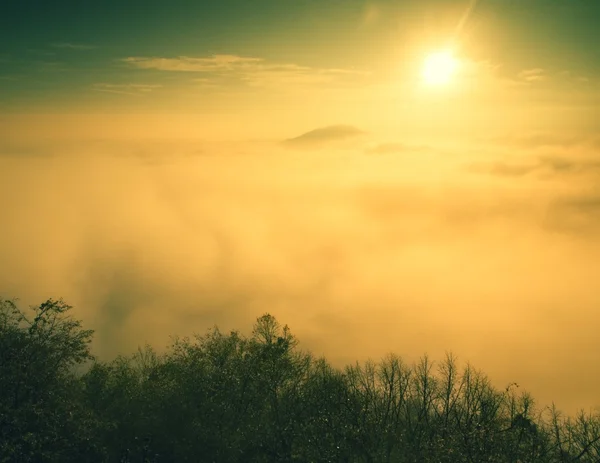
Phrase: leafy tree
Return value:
(225, 397)
(39, 413)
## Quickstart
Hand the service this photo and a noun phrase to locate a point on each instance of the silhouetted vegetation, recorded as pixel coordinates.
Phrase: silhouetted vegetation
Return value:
(225, 397)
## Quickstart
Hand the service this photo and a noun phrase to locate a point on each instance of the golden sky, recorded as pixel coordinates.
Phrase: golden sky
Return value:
(166, 169)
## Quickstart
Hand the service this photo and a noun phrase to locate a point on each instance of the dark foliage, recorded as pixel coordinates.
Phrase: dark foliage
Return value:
(230, 398)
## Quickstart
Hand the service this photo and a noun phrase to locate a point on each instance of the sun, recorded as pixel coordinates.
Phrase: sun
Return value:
(439, 68)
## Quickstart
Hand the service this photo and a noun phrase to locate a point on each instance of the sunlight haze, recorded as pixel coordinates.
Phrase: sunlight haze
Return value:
(169, 166)
(439, 68)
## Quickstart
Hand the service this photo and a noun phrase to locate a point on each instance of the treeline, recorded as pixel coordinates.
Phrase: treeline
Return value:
(225, 397)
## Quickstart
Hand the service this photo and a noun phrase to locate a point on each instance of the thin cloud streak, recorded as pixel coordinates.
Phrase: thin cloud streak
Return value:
(126, 89)
(533, 75)
(74, 46)
(190, 64)
(251, 70)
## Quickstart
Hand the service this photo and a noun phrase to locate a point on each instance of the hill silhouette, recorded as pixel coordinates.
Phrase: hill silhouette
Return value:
(324, 135)
(226, 397)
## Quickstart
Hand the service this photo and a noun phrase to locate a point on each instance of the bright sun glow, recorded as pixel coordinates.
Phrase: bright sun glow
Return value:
(439, 68)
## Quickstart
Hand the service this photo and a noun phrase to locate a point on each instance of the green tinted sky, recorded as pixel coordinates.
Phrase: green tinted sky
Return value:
(53, 53)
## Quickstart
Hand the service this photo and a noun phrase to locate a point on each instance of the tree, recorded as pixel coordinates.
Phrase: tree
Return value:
(229, 398)
(39, 412)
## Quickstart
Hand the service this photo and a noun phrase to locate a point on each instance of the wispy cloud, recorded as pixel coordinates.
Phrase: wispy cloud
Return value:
(540, 140)
(125, 89)
(571, 76)
(189, 64)
(533, 75)
(389, 148)
(74, 46)
(502, 169)
(39, 52)
(575, 214)
(250, 70)
(546, 166)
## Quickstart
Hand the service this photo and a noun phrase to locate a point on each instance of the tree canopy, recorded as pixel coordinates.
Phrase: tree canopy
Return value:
(226, 397)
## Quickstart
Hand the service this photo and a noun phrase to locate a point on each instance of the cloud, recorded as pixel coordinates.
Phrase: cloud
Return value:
(347, 249)
(324, 135)
(252, 71)
(548, 167)
(573, 77)
(503, 169)
(126, 89)
(371, 15)
(287, 74)
(388, 148)
(533, 75)
(20, 150)
(189, 64)
(562, 166)
(575, 214)
(541, 140)
(74, 46)
(559, 164)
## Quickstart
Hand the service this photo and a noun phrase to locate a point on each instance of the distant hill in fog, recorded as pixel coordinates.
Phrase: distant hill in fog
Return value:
(324, 135)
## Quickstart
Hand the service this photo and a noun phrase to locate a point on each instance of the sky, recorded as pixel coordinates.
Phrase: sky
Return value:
(165, 166)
